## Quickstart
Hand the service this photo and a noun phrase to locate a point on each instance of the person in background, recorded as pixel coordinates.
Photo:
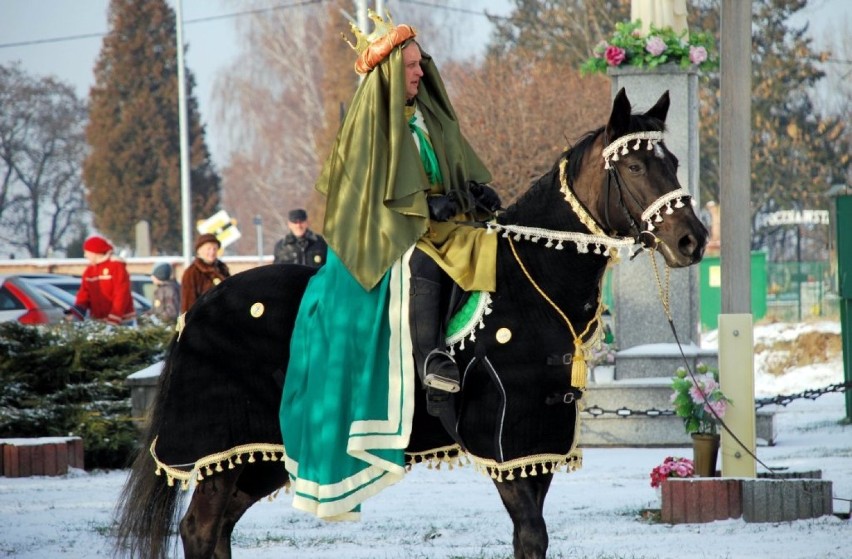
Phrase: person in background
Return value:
(300, 245)
(204, 272)
(166, 303)
(105, 287)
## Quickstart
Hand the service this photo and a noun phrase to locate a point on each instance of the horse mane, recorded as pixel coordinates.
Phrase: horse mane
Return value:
(575, 155)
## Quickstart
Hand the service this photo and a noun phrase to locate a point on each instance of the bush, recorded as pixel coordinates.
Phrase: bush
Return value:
(69, 380)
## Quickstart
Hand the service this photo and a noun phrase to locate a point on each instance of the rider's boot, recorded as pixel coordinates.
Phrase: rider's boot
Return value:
(437, 368)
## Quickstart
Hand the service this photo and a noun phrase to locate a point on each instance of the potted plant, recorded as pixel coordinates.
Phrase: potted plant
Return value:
(699, 401)
(672, 466)
(629, 46)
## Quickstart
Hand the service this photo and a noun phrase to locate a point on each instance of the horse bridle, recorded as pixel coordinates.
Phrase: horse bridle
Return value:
(653, 213)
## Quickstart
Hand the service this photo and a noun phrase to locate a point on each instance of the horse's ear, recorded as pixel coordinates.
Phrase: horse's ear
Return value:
(661, 109)
(619, 119)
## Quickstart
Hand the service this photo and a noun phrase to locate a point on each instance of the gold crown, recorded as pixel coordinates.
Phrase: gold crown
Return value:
(381, 28)
(373, 48)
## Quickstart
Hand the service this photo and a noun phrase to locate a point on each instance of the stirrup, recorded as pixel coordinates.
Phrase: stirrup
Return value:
(442, 381)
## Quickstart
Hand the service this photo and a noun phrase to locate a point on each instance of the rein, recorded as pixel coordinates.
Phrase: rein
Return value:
(666, 203)
(578, 361)
(664, 300)
(653, 214)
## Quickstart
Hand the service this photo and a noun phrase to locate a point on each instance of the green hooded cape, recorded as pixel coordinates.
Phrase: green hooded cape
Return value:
(374, 180)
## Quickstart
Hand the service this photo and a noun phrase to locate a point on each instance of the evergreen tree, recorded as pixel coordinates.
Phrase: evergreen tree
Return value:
(133, 170)
(797, 153)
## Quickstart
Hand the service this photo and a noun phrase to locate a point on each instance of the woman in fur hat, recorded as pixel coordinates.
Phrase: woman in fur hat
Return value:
(204, 272)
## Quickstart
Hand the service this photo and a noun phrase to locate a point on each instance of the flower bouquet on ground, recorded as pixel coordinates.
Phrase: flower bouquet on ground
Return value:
(672, 466)
(629, 46)
(699, 402)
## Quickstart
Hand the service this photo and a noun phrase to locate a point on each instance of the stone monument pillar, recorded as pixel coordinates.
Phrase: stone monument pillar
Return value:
(647, 355)
(638, 313)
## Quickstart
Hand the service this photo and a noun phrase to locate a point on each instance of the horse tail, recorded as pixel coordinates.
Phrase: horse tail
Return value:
(147, 509)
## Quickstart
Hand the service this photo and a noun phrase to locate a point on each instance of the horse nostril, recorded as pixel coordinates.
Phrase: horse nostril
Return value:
(688, 245)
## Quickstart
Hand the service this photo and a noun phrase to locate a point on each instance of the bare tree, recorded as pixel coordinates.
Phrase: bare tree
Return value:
(566, 30)
(272, 102)
(834, 95)
(42, 147)
(283, 98)
(520, 113)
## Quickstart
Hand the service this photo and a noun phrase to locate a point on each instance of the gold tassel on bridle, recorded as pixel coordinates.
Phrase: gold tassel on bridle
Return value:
(578, 362)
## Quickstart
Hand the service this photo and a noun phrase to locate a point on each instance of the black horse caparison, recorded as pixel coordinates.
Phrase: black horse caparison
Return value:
(215, 420)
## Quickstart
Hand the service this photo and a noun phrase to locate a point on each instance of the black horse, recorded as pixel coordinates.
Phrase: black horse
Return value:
(215, 420)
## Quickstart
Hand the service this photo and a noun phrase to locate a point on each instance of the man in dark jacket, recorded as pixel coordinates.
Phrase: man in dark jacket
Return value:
(301, 245)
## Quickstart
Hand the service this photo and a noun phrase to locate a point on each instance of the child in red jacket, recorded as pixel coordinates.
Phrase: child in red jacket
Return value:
(105, 287)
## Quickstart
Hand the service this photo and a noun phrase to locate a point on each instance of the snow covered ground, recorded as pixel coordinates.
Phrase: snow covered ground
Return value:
(591, 514)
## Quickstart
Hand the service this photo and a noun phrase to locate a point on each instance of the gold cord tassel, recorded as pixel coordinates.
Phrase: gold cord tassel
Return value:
(578, 366)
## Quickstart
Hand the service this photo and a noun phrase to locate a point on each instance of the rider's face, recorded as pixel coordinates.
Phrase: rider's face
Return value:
(411, 59)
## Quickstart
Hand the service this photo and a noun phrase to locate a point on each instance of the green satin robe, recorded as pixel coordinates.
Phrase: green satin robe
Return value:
(376, 186)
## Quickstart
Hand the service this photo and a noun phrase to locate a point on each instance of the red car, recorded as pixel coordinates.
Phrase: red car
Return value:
(22, 302)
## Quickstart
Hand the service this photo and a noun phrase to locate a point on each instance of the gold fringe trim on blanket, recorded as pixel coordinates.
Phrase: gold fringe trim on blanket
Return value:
(528, 465)
(213, 463)
(451, 455)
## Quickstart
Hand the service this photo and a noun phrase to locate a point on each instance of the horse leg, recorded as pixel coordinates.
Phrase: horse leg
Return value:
(201, 526)
(257, 481)
(524, 500)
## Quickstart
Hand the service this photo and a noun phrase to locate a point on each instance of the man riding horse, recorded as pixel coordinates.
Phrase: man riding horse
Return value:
(402, 186)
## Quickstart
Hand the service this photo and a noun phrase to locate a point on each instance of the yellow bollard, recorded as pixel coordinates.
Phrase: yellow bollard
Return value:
(736, 376)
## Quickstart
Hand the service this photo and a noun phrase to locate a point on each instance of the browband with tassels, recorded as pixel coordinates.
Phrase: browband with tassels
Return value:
(653, 213)
(611, 152)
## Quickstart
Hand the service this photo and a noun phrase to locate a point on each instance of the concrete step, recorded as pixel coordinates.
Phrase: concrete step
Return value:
(635, 394)
(660, 360)
(639, 429)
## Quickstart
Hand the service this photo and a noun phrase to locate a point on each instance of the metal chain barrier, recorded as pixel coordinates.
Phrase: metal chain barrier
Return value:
(810, 394)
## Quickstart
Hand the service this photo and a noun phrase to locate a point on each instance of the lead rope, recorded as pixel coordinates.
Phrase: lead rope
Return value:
(664, 299)
(578, 361)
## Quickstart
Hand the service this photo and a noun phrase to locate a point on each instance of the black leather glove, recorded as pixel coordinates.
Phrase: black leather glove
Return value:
(442, 208)
(484, 196)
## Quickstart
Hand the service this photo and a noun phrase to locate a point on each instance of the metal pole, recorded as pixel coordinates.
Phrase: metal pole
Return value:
(361, 16)
(799, 268)
(258, 223)
(736, 351)
(735, 155)
(183, 129)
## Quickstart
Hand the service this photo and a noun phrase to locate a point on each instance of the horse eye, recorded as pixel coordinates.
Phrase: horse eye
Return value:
(635, 168)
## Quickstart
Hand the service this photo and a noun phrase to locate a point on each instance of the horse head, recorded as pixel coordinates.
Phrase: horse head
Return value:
(627, 179)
